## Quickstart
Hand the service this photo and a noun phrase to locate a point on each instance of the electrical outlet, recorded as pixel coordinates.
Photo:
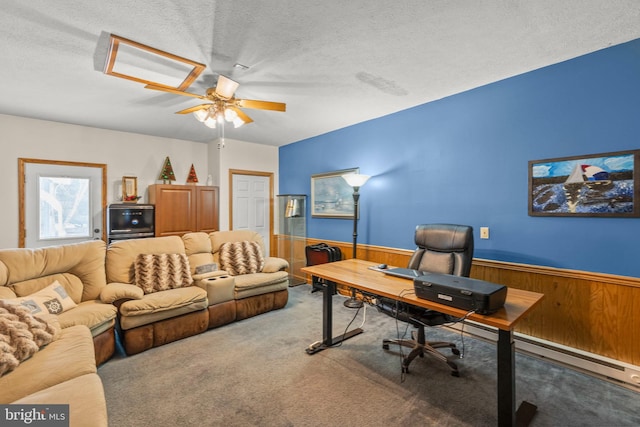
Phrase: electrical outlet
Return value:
(484, 232)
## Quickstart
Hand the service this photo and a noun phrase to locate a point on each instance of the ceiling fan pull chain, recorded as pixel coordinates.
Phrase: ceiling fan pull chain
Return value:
(221, 134)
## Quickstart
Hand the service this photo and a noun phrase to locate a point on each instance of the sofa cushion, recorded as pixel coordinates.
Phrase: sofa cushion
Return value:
(163, 301)
(198, 248)
(243, 257)
(121, 255)
(159, 272)
(70, 282)
(53, 300)
(82, 261)
(70, 356)
(162, 305)
(6, 293)
(83, 394)
(95, 315)
(21, 335)
(260, 283)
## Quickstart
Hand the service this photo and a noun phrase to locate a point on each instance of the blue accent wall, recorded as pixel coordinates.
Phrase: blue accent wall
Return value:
(464, 159)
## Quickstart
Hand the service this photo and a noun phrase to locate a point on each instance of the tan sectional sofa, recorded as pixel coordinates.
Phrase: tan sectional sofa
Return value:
(80, 269)
(100, 295)
(153, 319)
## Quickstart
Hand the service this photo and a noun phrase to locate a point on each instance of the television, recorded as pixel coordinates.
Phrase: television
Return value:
(128, 219)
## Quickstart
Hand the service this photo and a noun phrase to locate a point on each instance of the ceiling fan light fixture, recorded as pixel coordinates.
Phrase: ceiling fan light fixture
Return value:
(201, 115)
(210, 122)
(221, 105)
(237, 122)
(229, 114)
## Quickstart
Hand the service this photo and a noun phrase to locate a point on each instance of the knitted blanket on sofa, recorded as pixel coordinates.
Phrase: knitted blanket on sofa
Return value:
(21, 335)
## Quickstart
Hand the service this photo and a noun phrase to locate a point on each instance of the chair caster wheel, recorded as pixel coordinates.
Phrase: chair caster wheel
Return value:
(405, 369)
(385, 346)
(455, 373)
(455, 351)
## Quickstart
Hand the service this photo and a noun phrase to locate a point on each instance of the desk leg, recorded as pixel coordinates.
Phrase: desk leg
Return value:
(328, 289)
(507, 415)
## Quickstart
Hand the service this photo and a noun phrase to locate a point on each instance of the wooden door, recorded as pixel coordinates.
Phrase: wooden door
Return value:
(175, 208)
(207, 205)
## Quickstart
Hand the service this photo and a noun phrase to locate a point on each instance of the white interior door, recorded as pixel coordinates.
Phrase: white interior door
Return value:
(250, 208)
(62, 204)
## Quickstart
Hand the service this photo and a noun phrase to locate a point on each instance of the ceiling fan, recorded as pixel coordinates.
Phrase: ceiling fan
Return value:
(222, 105)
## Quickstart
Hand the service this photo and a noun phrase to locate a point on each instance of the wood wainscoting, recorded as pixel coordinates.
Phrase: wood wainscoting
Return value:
(592, 312)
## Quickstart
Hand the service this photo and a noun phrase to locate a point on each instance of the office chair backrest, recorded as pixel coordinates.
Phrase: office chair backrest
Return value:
(443, 248)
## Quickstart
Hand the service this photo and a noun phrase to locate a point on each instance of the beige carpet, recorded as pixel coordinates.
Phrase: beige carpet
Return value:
(256, 373)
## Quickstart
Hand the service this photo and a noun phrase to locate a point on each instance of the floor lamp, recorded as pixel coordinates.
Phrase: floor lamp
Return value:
(356, 181)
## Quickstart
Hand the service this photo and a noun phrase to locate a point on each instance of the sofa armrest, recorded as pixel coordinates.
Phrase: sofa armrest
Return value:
(120, 291)
(219, 289)
(273, 264)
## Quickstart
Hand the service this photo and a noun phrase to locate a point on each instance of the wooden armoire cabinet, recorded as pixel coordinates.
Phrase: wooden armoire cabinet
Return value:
(184, 209)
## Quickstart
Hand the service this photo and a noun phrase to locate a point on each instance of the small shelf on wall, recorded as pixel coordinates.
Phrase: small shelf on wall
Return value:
(292, 234)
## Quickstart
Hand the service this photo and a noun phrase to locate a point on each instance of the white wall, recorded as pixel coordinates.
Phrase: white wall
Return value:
(244, 156)
(125, 154)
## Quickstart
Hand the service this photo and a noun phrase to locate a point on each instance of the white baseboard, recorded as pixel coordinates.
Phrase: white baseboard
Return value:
(610, 369)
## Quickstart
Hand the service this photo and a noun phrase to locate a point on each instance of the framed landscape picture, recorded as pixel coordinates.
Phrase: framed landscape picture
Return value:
(331, 196)
(593, 185)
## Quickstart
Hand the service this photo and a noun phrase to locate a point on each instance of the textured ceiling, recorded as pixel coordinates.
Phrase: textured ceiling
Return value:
(333, 62)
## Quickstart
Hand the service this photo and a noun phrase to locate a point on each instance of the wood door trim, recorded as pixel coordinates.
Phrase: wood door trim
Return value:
(233, 172)
(21, 191)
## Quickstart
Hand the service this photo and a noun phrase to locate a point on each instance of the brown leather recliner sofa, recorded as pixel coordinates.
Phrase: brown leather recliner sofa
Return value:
(259, 292)
(216, 298)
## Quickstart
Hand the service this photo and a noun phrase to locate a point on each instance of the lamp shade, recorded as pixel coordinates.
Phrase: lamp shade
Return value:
(355, 179)
(226, 87)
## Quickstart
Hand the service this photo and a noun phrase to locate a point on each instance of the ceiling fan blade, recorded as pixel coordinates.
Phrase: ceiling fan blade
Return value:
(261, 105)
(246, 119)
(175, 91)
(226, 87)
(192, 109)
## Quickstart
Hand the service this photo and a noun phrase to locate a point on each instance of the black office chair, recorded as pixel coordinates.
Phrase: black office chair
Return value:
(442, 248)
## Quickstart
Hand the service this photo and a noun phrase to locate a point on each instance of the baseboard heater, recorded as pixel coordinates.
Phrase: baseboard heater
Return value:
(609, 369)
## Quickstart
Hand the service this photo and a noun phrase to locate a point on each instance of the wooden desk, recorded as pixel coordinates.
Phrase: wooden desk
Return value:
(358, 274)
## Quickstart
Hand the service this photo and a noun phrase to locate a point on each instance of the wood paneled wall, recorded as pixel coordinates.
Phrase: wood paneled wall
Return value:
(593, 312)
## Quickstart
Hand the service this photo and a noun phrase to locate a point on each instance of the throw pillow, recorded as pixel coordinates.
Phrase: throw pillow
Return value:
(21, 335)
(241, 257)
(160, 272)
(53, 300)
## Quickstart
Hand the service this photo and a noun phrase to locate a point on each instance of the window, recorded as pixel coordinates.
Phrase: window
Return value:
(64, 207)
(61, 202)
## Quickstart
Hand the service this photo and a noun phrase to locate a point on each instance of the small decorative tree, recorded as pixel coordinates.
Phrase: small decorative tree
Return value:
(167, 174)
(192, 178)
